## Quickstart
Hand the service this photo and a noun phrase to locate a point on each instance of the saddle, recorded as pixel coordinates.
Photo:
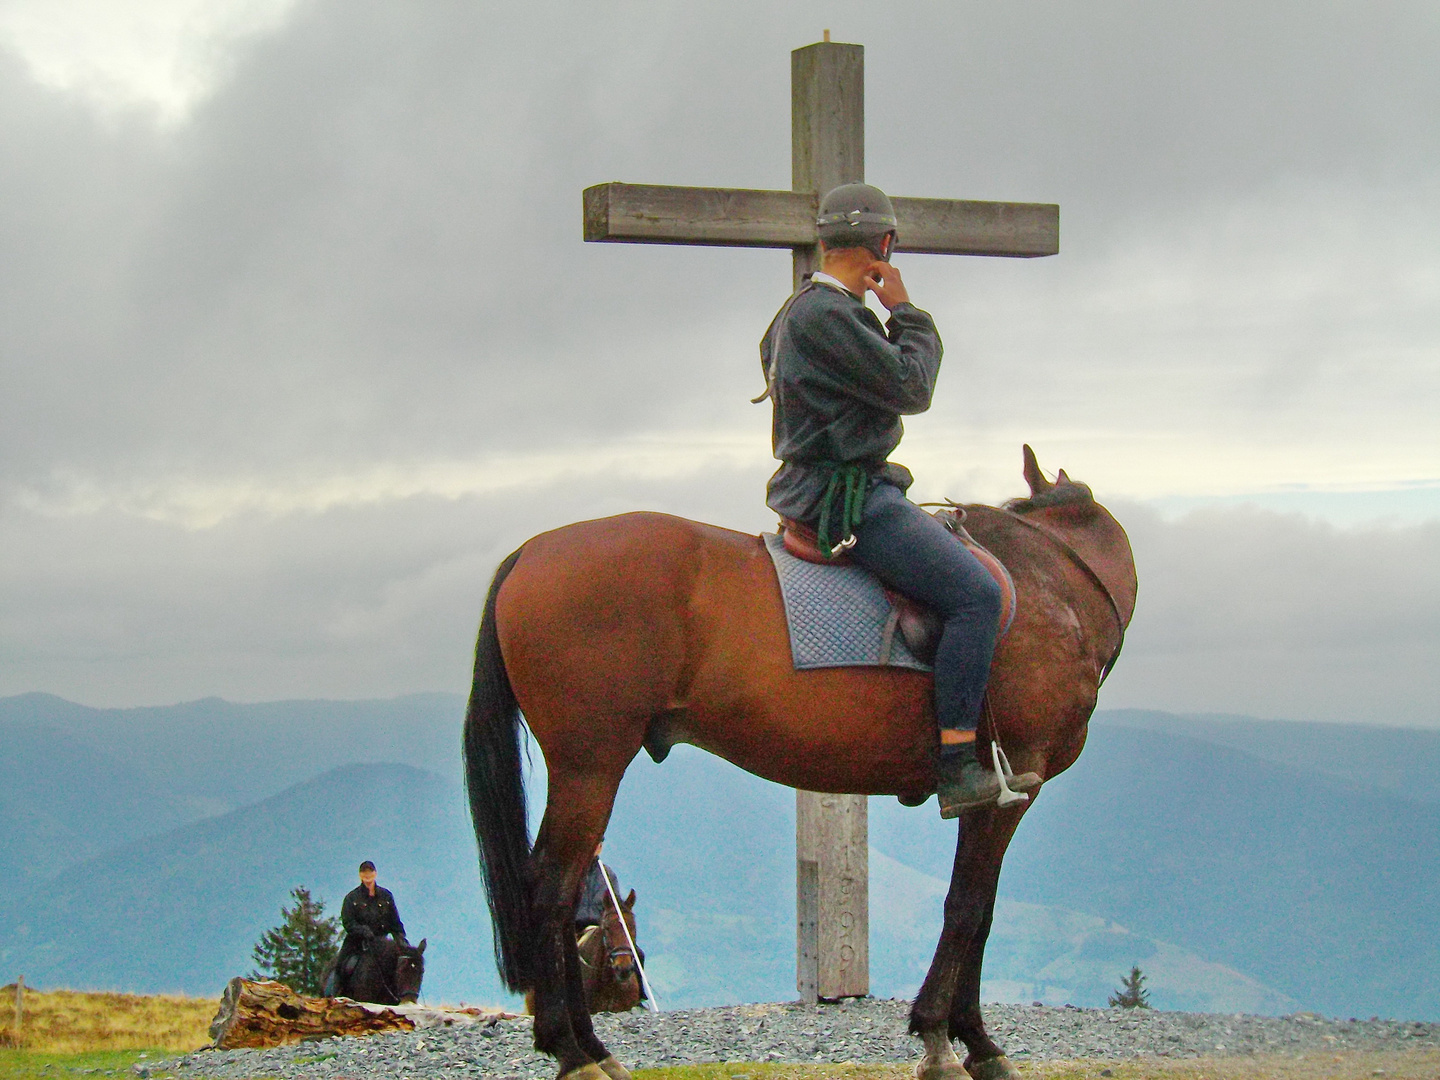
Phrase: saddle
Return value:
(917, 625)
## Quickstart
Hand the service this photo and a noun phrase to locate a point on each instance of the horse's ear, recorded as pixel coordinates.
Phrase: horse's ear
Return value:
(630, 900)
(1033, 476)
(1061, 478)
(421, 947)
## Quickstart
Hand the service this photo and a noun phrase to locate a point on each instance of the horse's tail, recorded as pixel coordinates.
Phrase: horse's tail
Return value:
(495, 784)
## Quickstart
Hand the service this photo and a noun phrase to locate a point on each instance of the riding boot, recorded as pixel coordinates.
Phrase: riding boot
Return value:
(964, 783)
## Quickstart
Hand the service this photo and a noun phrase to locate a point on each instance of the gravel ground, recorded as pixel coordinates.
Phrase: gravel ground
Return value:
(859, 1031)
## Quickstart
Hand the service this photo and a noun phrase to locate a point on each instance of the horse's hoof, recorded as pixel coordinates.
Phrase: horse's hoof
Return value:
(588, 1071)
(926, 1069)
(996, 1068)
(614, 1069)
(939, 1061)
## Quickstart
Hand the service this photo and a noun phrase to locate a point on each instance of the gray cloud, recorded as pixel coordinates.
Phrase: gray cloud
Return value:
(227, 344)
(352, 602)
(366, 243)
(1250, 611)
(1241, 610)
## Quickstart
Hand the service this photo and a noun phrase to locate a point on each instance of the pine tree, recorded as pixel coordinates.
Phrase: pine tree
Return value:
(297, 951)
(1133, 994)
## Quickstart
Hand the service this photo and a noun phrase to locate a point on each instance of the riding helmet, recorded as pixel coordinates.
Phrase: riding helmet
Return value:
(857, 215)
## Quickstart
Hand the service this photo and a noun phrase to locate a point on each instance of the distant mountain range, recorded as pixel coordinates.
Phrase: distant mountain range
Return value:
(1321, 888)
(76, 781)
(1243, 864)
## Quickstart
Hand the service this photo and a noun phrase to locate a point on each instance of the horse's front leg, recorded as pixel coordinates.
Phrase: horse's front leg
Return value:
(948, 1005)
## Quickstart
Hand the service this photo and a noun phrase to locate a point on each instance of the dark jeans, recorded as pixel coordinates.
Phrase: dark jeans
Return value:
(914, 554)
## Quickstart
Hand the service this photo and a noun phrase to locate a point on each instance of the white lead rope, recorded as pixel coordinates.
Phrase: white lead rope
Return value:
(650, 1002)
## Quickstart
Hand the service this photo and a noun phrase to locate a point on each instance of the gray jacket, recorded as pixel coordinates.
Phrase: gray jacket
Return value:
(840, 381)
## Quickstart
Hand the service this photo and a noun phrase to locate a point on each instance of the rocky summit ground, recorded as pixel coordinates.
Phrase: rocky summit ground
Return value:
(860, 1031)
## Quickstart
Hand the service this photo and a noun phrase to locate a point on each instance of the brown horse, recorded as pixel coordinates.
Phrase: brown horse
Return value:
(648, 630)
(607, 960)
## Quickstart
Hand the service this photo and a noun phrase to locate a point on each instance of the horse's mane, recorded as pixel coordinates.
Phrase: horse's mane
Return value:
(1066, 493)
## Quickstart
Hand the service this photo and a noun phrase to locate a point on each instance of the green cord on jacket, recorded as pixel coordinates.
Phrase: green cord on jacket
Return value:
(854, 481)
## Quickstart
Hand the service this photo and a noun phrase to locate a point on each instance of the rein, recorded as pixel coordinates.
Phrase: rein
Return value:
(1079, 561)
(634, 952)
(386, 977)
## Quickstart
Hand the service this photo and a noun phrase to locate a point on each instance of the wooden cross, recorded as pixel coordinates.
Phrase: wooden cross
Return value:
(827, 149)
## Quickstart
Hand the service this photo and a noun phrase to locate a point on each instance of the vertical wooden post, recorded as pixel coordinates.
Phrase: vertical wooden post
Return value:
(832, 896)
(19, 1008)
(827, 126)
(807, 902)
(832, 836)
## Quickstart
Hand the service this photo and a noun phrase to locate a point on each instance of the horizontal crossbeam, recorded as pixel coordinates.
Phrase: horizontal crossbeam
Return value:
(743, 217)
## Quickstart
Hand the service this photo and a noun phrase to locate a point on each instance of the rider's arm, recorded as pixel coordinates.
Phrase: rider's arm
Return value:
(347, 915)
(849, 350)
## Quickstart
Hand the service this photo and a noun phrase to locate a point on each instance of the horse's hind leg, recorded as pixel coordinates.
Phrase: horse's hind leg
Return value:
(576, 812)
(580, 1021)
(948, 1005)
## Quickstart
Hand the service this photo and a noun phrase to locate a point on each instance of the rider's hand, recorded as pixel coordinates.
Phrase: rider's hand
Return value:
(884, 281)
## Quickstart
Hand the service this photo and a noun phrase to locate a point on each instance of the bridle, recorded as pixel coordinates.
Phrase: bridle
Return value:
(1078, 560)
(615, 952)
(611, 953)
(385, 978)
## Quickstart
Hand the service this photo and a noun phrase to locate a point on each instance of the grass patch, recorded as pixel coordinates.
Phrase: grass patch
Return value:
(35, 1065)
(71, 1022)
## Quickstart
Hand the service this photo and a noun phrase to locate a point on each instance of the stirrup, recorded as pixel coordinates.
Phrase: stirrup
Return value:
(1003, 773)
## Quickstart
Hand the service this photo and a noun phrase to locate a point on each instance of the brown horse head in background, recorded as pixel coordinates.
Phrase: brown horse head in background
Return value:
(607, 960)
(646, 630)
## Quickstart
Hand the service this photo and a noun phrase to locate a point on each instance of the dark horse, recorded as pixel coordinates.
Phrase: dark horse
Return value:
(646, 630)
(607, 960)
(386, 973)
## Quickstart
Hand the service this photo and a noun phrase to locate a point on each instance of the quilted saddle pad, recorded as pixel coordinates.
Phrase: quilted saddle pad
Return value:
(837, 615)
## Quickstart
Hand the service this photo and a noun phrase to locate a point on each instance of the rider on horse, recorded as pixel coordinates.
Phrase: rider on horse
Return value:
(595, 898)
(840, 381)
(367, 914)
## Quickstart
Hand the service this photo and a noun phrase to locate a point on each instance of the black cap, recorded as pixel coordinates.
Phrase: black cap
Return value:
(856, 215)
(367, 865)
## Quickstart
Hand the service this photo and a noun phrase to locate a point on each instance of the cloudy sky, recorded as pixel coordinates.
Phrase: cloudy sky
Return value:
(298, 336)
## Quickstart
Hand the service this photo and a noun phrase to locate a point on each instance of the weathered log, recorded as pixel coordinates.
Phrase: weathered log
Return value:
(258, 1013)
